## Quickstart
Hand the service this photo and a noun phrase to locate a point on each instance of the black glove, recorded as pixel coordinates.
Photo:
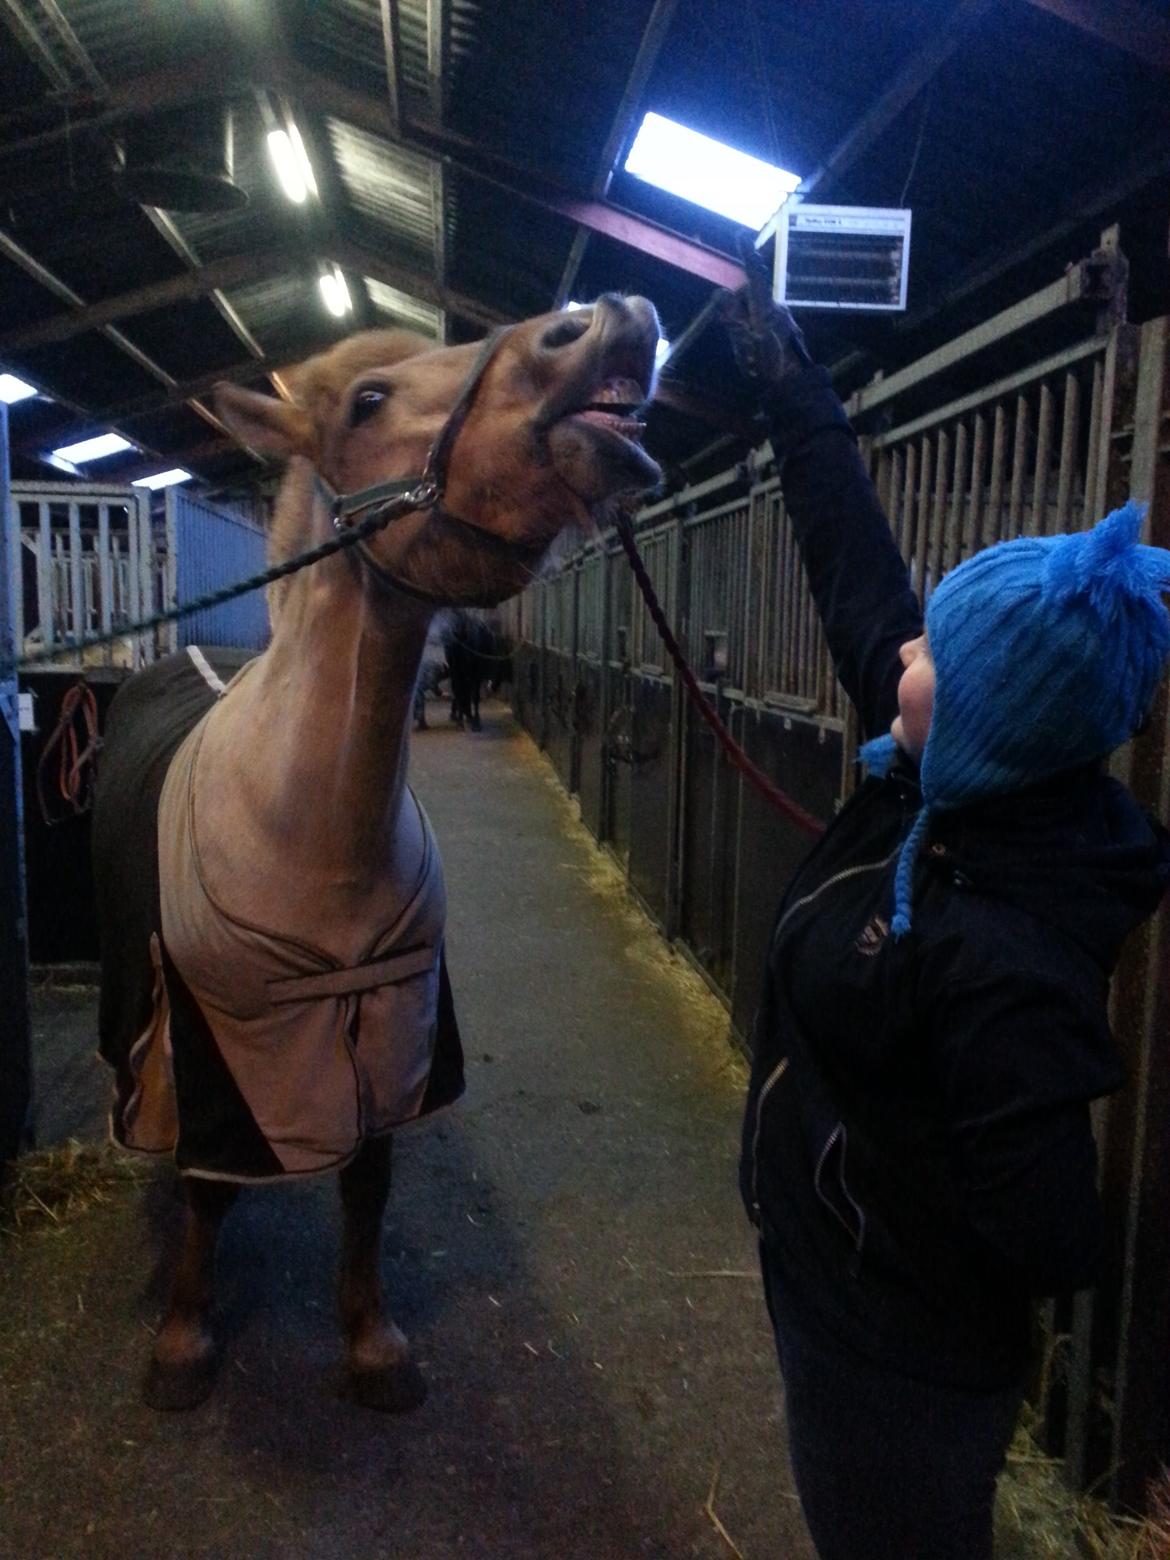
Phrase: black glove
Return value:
(765, 339)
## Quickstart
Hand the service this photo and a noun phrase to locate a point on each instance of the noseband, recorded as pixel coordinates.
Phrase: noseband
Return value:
(389, 501)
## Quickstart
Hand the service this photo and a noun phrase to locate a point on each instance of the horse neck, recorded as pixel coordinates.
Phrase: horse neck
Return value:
(323, 724)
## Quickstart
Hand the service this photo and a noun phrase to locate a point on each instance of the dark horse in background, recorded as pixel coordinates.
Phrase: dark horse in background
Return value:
(477, 652)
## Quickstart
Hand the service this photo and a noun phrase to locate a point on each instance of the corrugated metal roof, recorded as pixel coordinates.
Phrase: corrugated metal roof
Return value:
(347, 34)
(387, 185)
(404, 309)
(272, 307)
(128, 40)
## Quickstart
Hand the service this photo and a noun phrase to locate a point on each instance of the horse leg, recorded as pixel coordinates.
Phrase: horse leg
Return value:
(381, 1371)
(182, 1367)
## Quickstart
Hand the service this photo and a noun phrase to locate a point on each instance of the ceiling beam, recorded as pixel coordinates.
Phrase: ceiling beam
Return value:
(164, 225)
(195, 80)
(392, 48)
(40, 273)
(71, 43)
(358, 256)
(916, 72)
(1082, 206)
(438, 50)
(233, 271)
(243, 371)
(30, 40)
(653, 37)
(522, 184)
(650, 238)
(1133, 28)
(438, 57)
(171, 86)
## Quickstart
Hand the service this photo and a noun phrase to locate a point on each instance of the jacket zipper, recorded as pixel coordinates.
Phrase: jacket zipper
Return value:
(781, 1066)
(858, 1236)
(838, 877)
(773, 1078)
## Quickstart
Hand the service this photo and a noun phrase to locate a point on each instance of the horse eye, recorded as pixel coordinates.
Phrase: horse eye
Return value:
(565, 332)
(365, 403)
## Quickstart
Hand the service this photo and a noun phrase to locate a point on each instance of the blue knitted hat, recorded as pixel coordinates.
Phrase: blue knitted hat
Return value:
(1047, 652)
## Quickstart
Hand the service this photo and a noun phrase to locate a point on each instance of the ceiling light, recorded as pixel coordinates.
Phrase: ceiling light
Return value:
(292, 164)
(335, 292)
(661, 351)
(707, 172)
(162, 479)
(97, 448)
(13, 389)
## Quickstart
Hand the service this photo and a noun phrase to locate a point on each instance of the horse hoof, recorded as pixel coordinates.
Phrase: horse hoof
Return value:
(395, 1390)
(171, 1388)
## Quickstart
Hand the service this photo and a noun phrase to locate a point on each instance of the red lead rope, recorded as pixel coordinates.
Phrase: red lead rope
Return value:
(736, 755)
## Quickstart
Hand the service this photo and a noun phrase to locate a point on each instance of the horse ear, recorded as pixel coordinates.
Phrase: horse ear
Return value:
(261, 422)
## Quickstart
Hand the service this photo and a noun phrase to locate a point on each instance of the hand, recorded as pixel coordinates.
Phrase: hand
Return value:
(765, 339)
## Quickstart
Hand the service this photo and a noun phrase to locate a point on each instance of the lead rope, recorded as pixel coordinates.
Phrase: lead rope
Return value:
(76, 753)
(771, 793)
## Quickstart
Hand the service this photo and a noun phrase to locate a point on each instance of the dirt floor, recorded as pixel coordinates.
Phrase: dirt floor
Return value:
(566, 1249)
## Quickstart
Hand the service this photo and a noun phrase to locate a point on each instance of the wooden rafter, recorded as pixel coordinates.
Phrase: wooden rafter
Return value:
(520, 184)
(922, 66)
(1135, 29)
(392, 47)
(653, 37)
(234, 271)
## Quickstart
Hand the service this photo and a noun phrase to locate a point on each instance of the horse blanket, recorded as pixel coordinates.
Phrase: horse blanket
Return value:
(301, 1059)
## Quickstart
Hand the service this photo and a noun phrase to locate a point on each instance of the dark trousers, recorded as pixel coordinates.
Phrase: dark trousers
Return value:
(887, 1467)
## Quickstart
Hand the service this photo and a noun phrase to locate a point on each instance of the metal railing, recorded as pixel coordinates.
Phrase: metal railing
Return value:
(82, 562)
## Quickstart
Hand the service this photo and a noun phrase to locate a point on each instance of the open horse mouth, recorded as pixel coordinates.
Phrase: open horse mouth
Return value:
(617, 406)
(594, 422)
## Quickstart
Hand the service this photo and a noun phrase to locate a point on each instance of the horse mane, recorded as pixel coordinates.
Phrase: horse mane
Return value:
(317, 386)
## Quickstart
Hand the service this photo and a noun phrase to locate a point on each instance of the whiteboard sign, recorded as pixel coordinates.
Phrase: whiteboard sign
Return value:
(28, 719)
(841, 257)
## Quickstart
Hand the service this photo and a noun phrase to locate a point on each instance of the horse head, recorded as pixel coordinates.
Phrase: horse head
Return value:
(547, 435)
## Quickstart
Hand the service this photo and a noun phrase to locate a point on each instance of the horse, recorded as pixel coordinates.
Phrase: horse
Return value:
(274, 996)
(473, 658)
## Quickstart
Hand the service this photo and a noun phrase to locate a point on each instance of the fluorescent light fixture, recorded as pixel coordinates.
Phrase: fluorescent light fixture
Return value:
(162, 479)
(292, 164)
(97, 448)
(335, 292)
(709, 173)
(13, 389)
(573, 304)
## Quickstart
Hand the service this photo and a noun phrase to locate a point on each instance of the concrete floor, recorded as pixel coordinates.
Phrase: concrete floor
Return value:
(565, 1248)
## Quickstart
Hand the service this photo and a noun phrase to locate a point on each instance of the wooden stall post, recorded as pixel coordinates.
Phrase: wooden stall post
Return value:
(15, 1029)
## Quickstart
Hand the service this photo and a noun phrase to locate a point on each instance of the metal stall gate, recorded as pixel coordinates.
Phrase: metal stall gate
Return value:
(1039, 420)
(83, 562)
(208, 546)
(87, 559)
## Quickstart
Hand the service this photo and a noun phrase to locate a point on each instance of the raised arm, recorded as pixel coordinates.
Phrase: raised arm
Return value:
(856, 574)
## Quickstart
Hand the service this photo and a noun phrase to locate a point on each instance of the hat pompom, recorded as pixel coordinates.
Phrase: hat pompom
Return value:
(1108, 567)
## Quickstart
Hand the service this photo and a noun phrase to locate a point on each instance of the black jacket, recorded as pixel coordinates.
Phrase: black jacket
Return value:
(917, 1145)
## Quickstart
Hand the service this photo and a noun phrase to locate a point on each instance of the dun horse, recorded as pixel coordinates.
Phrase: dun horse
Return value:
(274, 995)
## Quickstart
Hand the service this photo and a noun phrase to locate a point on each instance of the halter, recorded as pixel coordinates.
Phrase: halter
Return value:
(407, 495)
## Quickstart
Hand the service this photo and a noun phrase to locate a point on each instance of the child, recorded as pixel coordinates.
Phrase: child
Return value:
(917, 1150)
